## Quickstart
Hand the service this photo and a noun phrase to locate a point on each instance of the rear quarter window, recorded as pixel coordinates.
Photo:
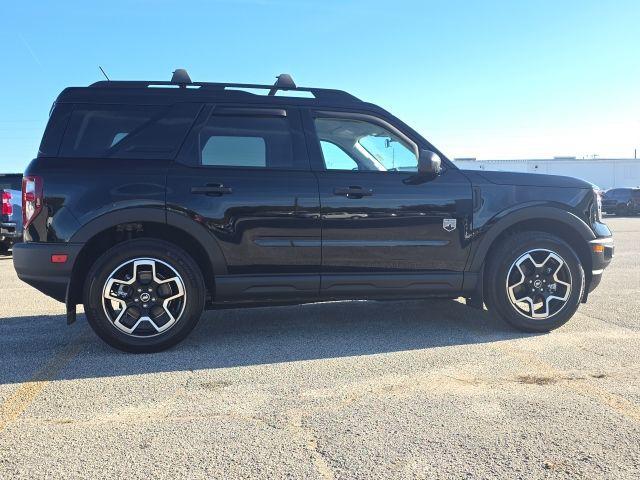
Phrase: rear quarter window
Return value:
(52, 138)
(127, 131)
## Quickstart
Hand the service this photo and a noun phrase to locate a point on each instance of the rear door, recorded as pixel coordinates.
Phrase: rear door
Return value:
(244, 175)
(385, 230)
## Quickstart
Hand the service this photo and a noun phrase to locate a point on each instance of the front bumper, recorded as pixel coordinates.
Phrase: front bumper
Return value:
(32, 262)
(602, 250)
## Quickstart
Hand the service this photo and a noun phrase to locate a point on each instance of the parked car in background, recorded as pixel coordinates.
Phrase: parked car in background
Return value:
(621, 201)
(150, 201)
(11, 213)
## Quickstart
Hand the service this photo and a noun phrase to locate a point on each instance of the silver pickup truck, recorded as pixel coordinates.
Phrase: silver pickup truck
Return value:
(11, 210)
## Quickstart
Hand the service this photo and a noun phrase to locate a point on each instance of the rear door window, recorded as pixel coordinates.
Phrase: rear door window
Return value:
(128, 131)
(255, 141)
(235, 151)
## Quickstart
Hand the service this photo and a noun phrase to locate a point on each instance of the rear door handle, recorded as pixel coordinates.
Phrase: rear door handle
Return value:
(212, 189)
(353, 191)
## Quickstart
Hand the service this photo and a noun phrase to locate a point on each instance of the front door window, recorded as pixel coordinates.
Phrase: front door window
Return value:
(363, 146)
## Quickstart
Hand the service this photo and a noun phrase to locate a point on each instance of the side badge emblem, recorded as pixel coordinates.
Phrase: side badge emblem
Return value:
(449, 224)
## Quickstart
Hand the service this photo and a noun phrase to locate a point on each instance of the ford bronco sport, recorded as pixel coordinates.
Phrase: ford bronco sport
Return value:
(151, 201)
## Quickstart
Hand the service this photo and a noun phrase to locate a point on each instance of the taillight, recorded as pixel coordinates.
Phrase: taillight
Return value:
(31, 199)
(7, 207)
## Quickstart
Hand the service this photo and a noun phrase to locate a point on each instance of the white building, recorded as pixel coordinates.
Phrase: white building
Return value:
(605, 172)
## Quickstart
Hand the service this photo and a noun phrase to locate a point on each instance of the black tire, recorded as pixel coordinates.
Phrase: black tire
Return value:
(503, 257)
(168, 254)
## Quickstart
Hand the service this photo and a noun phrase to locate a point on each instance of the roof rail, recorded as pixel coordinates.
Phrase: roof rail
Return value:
(181, 78)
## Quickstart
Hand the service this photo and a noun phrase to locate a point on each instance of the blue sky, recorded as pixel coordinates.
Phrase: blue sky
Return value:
(491, 79)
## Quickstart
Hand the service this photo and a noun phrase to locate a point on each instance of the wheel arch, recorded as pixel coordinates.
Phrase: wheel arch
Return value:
(555, 221)
(110, 229)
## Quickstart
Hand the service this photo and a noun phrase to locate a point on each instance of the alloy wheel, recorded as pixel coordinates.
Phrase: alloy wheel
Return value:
(144, 297)
(539, 284)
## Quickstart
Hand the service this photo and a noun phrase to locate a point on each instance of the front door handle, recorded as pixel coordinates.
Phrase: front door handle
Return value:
(353, 191)
(212, 189)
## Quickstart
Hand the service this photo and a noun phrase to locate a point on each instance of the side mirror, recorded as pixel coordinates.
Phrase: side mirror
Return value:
(429, 163)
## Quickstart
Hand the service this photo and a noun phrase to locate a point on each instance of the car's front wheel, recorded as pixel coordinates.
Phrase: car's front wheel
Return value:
(144, 295)
(534, 281)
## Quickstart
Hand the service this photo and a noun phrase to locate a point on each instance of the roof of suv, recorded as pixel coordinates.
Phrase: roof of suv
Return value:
(183, 89)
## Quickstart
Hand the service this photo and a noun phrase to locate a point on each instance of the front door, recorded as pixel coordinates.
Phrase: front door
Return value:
(244, 175)
(385, 229)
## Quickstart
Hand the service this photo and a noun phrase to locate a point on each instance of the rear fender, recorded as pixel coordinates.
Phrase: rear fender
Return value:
(105, 222)
(156, 215)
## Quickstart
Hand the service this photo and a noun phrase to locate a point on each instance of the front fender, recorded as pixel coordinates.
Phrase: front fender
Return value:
(507, 219)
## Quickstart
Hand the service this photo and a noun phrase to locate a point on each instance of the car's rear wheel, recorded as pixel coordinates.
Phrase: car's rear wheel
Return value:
(144, 295)
(534, 281)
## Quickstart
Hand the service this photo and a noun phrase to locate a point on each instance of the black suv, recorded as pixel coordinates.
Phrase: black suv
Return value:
(150, 201)
(622, 201)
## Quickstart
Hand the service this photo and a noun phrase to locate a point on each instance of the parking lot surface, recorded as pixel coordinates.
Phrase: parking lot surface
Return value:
(421, 389)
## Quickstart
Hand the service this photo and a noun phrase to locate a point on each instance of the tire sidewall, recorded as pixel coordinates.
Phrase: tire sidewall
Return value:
(516, 247)
(130, 250)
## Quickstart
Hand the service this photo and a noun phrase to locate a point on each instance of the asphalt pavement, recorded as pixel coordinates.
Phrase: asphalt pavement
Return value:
(376, 390)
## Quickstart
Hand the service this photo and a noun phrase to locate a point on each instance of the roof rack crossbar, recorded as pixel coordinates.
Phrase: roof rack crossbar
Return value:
(283, 82)
(181, 77)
